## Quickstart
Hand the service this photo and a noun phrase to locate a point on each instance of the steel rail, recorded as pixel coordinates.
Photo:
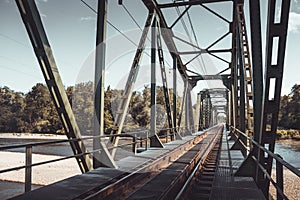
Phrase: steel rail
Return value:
(197, 167)
(135, 176)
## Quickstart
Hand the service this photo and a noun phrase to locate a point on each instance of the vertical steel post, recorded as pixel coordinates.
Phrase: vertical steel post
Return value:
(197, 112)
(242, 92)
(188, 113)
(242, 107)
(183, 102)
(170, 132)
(153, 81)
(154, 140)
(191, 113)
(257, 80)
(256, 51)
(279, 177)
(102, 158)
(201, 111)
(227, 109)
(174, 95)
(275, 54)
(28, 169)
(134, 144)
(256, 46)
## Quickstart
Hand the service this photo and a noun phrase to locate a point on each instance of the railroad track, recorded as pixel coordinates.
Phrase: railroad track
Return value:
(200, 181)
(188, 177)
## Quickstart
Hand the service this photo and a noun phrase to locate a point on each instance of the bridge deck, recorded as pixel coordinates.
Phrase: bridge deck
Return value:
(225, 186)
(79, 185)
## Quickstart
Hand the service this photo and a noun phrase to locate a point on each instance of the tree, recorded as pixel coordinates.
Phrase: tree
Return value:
(11, 106)
(40, 114)
(294, 114)
(289, 116)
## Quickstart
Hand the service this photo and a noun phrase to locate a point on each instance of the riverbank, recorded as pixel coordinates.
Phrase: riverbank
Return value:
(291, 185)
(33, 136)
(41, 175)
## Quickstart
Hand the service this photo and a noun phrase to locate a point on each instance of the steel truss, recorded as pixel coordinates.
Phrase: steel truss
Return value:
(43, 52)
(246, 106)
(266, 103)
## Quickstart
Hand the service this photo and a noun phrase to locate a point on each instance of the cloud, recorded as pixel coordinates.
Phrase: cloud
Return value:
(294, 22)
(89, 18)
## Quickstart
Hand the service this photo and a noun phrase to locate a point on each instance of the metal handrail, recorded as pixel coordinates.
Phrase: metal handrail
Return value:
(274, 156)
(28, 151)
(279, 163)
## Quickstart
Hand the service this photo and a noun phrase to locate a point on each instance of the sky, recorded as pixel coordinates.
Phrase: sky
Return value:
(70, 27)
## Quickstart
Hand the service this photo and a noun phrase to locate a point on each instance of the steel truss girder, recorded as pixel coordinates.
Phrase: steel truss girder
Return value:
(123, 106)
(182, 103)
(32, 21)
(191, 2)
(240, 76)
(246, 65)
(154, 139)
(274, 72)
(167, 35)
(165, 83)
(234, 86)
(102, 158)
(189, 108)
(262, 100)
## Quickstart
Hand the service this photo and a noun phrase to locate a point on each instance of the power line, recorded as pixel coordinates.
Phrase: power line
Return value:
(190, 38)
(187, 32)
(12, 39)
(131, 16)
(195, 37)
(87, 5)
(16, 70)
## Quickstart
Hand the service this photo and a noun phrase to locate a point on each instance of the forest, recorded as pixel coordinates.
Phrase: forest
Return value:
(34, 111)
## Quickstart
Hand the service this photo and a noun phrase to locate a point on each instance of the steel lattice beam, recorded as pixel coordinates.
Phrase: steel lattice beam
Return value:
(276, 44)
(32, 21)
(190, 2)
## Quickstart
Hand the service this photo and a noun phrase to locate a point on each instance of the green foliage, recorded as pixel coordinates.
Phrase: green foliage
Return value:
(289, 116)
(35, 111)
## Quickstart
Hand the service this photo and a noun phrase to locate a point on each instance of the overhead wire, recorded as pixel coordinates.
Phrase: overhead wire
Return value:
(137, 24)
(189, 36)
(131, 16)
(196, 40)
(108, 22)
(117, 29)
(186, 30)
(15, 60)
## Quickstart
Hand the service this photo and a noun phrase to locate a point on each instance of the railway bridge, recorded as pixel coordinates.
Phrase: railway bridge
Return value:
(218, 144)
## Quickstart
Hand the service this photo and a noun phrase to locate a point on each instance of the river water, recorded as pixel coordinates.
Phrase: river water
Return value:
(288, 149)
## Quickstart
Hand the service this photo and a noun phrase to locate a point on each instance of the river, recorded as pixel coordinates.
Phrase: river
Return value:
(288, 149)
